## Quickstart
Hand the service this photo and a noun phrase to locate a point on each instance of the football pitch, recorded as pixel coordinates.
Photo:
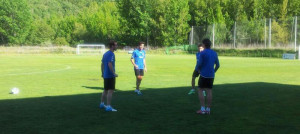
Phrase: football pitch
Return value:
(61, 94)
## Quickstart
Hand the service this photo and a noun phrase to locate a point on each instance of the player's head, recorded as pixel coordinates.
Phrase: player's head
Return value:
(141, 45)
(112, 45)
(200, 47)
(206, 43)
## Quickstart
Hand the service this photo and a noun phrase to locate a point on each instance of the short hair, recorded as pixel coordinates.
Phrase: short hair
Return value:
(207, 43)
(200, 45)
(111, 43)
(141, 42)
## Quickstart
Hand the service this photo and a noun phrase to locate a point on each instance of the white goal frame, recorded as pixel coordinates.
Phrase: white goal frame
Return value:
(90, 45)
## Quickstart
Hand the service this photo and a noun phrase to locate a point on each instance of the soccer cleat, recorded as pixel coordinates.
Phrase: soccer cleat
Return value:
(192, 91)
(200, 112)
(139, 93)
(207, 111)
(102, 106)
(110, 109)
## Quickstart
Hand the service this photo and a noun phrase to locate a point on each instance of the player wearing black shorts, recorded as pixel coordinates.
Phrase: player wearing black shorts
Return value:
(109, 76)
(208, 64)
(138, 60)
(196, 71)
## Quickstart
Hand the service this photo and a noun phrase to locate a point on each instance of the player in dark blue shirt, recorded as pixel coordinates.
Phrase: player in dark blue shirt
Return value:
(196, 72)
(138, 60)
(208, 64)
(109, 75)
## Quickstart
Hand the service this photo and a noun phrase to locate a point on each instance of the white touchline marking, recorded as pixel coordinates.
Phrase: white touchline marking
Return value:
(41, 72)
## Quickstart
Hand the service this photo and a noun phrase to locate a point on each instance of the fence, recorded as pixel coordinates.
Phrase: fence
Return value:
(267, 33)
(37, 50)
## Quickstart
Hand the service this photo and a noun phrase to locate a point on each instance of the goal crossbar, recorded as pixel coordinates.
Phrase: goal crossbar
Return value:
(102, 47)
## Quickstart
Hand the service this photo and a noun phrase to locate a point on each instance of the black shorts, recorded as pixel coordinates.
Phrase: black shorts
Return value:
(205, 82)
(196, 73)
(139, 72)
(109, 83)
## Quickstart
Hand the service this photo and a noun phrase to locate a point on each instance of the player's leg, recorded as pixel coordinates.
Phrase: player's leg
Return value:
(209, 94)
(103, 96)
(109, 96)
(202, 101)
(209, 100)
(195, 74)
(110, 91)
(192, 91)
(138, 81)
(139, 78)
(201, 84)
(104, 93)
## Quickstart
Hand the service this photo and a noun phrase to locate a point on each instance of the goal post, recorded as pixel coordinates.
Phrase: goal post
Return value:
(90, 49)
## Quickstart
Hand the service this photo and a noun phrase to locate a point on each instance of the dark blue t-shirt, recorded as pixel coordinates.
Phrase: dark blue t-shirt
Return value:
(206, 62)
(109, 56)
(139, 56)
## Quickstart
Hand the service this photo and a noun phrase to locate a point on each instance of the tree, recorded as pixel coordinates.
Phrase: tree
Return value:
(15, 20)
(40, 33)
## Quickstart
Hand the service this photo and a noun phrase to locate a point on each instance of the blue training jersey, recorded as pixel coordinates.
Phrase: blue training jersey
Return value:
(206, 64)
(139, 56)
(197, 58)
(109, 56)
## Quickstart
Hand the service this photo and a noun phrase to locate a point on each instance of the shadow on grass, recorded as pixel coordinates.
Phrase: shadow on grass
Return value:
(96, 88)
(237, 108)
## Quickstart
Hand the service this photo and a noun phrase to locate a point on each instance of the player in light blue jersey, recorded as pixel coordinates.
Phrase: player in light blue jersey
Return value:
(109, 75)
(196, 72)
(208, 64)
(138, 60)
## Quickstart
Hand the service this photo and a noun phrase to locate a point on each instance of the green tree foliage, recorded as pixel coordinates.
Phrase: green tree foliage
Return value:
(101, 22)
(157, 22)
(40, 33)
(15, 20)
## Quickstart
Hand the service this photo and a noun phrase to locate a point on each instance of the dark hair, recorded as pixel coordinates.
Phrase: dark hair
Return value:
(200, 45)
(111, 43)
(207, 43)
(141, 42)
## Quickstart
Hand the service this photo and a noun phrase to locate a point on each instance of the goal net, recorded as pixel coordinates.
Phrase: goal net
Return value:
(90, 49)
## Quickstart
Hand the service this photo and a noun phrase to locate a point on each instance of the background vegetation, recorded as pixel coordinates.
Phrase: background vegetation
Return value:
(159, 22)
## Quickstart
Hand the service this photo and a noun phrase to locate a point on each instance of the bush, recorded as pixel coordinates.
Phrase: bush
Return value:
(274, 53)
(61, 41)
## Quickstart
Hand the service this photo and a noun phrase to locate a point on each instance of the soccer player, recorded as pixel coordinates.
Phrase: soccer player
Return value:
(208, 64)
(196, 71)
(139, 62)
(109, 75)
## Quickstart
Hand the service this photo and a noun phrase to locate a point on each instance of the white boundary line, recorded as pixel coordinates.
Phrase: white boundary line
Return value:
(31, 73)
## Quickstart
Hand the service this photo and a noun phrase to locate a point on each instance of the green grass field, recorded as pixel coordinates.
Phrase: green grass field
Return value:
(61, 93)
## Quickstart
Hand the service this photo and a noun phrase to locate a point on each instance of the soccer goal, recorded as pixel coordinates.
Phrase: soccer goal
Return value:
(90, 49)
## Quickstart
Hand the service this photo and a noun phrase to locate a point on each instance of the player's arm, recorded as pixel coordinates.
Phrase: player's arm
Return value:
(132, 60)
(112, 69)
(217, 64)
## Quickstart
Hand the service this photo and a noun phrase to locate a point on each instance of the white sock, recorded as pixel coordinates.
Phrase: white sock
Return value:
(207, 109)
(202, 108)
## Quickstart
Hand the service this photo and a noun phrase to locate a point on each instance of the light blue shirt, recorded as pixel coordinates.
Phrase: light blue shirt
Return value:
(139, 56)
